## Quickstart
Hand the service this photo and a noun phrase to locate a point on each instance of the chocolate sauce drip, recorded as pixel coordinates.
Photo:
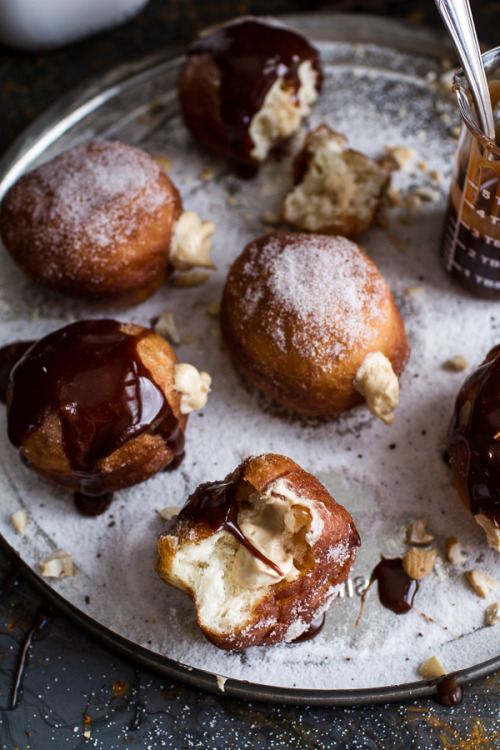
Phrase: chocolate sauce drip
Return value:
(315, 627)
(39, 623)
(396, 590)
(251, 55)
(475, 426)
(449, 692)
(215, 504)
(176, 461)
(92, 376)
(10, 356)
(92, 506)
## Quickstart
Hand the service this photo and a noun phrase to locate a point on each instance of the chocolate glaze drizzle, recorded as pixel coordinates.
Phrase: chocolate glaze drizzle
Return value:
(396, 590)
(91, 375)
(315, 627)
(251, 55)
(475, 425)
(9, 356)
(215, 504)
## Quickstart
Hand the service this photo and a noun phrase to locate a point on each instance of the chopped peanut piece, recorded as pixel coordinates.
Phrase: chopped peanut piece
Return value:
(164, 161)
(418, 563)
(190, 278)
(57, 565)
(491, 528)
(402, 155)
(432, 668)
(165, 326)
(492, 614)
(213, 309)
(480, 582)
(19, 520)
(457, 363)
(413, 290)
(453, 551)
(270, 217)
(416, 533)
(167, 513)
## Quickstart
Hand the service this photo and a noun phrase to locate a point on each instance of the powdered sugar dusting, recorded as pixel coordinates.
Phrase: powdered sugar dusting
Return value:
(386, 477)
(91, 195)
(325, 285)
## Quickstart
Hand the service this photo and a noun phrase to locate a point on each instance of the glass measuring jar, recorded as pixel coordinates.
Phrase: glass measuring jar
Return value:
(470, 248)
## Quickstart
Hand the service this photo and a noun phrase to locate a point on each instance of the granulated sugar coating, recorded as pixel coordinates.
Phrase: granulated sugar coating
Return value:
(321, 284)
(387, 477)
(94, 222)
(81, 195)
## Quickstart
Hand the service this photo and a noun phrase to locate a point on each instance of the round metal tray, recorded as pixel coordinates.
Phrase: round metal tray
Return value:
(136, 103)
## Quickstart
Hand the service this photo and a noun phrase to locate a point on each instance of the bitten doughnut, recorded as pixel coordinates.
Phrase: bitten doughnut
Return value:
(474, 447)
(246, 86)
(101, 222)
(261, 553)
(100, 405)
(337, 190)
(309, 319)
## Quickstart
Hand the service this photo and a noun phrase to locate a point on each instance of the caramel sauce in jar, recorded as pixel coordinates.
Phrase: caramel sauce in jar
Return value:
(471, 240)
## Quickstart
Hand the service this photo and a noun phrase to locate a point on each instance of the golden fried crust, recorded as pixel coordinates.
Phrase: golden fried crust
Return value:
(135, 461)
(96, 222)
(281, 611)
(306, 358)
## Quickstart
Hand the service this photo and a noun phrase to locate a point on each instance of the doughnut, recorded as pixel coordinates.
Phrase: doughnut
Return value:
(336, 190)
(99, 405)
(262, 553)
(309, 320)
(474, 447)
(246, 86)
(97, 222)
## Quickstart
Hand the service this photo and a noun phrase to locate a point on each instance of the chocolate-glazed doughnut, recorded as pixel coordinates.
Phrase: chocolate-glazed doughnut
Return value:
(95, 407)
(474, 445)
(246, 86)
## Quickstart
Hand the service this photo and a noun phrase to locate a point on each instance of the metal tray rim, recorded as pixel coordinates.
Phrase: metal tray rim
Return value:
(44, 131)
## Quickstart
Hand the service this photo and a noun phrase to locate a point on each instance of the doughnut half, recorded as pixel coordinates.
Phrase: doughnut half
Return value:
(270, 507)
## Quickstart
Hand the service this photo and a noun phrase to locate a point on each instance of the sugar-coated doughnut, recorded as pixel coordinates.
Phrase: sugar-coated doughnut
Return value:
(474, 446)
(95, 222)
(309, 319)
(246, 86)
(262, 553)
(99, 405)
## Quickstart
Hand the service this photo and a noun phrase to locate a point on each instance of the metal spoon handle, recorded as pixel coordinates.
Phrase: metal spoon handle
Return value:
(457, 18)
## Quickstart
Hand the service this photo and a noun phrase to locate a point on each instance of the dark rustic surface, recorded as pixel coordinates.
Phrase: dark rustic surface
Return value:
(77, 693)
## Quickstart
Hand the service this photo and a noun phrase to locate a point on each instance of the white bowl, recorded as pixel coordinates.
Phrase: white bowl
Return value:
(44, 24)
